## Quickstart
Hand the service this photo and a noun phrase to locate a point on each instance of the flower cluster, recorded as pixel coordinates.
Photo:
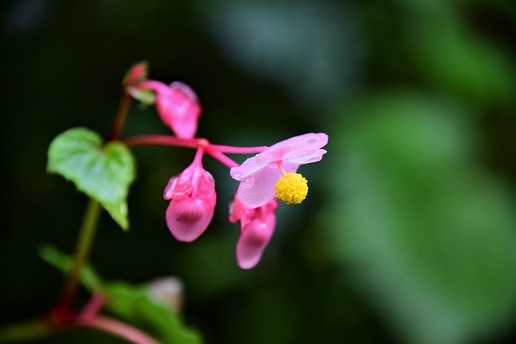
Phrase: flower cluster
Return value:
(269, 175)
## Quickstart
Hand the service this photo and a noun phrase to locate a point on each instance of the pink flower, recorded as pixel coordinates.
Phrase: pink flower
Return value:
(258, 175)
(193, 199)
(137, 73)
(177, 105)
(257, 227)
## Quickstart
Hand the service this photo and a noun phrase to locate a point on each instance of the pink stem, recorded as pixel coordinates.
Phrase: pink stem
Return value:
(199, 153)
(238, 150)
(121, 115)
(161, 140)
(222, 158)
(92, 308)
(117, 328)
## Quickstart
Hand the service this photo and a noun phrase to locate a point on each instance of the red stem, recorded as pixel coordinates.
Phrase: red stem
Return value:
(117, 328)
(121, 115)
(222, 158)
(168, 140)
(161, 140)
(238, 150)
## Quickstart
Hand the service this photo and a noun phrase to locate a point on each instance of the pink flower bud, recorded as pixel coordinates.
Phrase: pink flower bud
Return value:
(257, 228)
(187, 218)
(137, 73)
(177, 105)
(192, 204)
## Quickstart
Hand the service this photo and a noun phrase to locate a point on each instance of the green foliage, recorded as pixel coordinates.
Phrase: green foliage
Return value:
(132, 303)
(427, 232)
(104, 173)
(88, 276)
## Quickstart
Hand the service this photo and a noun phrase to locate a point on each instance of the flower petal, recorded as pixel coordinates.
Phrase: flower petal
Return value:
(305, 156)
(258, 189)
(177, 105)
(187, 218)
(296, 146)
(186, 110)
(168, 193)
(249, 167)
(253, 240)
(302, 149)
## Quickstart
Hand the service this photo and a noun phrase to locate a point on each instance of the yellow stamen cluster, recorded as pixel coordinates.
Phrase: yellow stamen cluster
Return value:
(292, 188)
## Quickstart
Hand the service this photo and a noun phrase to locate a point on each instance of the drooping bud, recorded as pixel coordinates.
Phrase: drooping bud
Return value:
(187, 218)
(253, 240)
(257, 227)
(177, 105)
(192, 204)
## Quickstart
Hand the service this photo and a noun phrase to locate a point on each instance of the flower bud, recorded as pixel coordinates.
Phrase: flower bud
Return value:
(192, 204)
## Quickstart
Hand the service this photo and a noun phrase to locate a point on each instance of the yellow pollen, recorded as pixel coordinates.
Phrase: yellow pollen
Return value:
(291, 188)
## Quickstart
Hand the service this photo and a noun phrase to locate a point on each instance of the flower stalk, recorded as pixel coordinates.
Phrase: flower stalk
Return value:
(82, 251)
(123, 109)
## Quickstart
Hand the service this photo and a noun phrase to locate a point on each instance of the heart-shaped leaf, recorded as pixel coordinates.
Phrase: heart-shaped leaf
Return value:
(103, 172)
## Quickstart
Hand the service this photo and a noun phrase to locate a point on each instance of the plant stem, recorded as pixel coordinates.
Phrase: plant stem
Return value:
(117, 328)
(121, 115)
(238, 150)
(82, 250)
(222, 158)
(26, 331)
(161, 140)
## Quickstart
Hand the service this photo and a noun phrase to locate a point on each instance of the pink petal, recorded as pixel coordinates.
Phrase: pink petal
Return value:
(187, 218)
(192, 177)
(177, 105)
(186, 110)
(253, 240)
(184, 88)
(302, 149)
(258, 189)
(249, 167)
(168, 193)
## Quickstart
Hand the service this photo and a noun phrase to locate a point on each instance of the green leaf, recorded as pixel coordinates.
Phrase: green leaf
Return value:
(427, 232)
(135, 304)
(88, 277)
(132, 303)
(146, 97)
(104, 173)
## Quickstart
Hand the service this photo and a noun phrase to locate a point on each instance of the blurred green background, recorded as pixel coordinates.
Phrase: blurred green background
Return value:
(409, 231)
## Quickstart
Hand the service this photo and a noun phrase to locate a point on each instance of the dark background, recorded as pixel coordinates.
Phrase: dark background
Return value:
(408, 233)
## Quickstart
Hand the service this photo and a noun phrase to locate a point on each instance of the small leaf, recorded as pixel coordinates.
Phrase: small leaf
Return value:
(88, 277)
(135, 304)
(104, 173)
(146, 97)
